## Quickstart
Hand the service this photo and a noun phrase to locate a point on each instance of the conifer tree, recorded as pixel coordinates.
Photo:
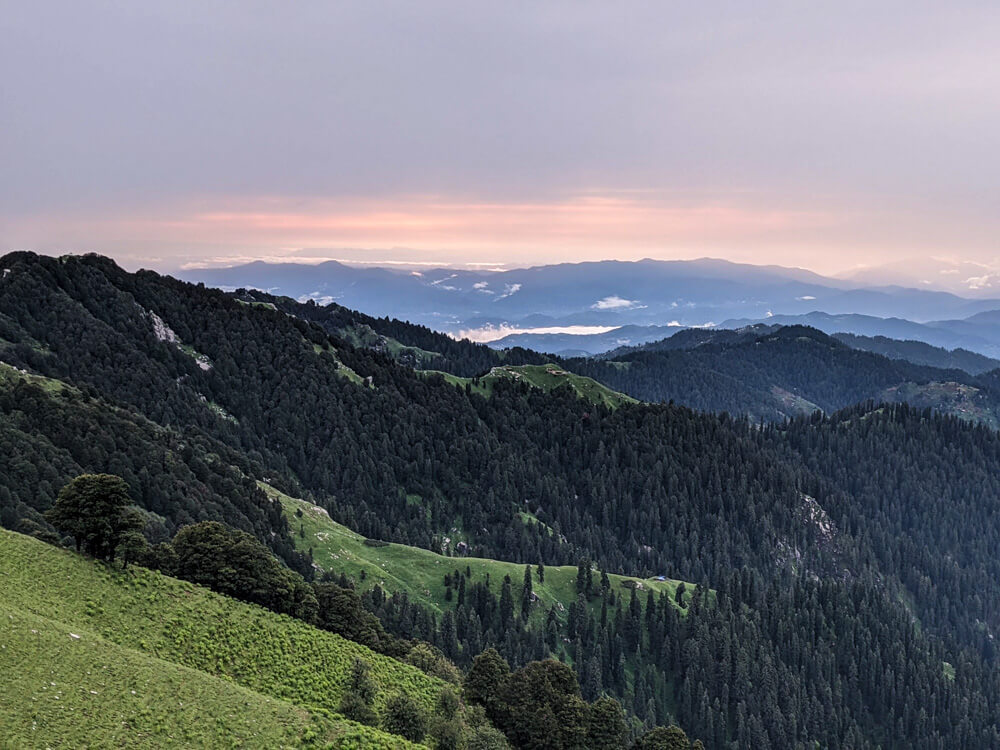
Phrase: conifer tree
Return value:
(506, 603)
(526, 594)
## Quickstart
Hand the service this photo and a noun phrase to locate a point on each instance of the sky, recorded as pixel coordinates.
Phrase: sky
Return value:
(828, 136)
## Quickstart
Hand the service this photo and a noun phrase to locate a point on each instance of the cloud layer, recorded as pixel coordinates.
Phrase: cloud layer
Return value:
(614, 302)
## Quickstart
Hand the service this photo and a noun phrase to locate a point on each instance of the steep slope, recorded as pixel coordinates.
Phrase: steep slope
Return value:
(925, 490)
(98, 331)
(88, 691)
(920, 353)
(409, 344)
(105, 654)
(51, 431)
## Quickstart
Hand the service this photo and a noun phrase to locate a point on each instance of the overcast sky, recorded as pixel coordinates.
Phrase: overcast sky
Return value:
(822, 135)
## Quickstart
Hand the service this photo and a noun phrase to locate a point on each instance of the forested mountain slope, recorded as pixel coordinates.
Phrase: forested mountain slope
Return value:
(51, 432)
(920, 353)
(410, 344)
(771, 373)
(279, 396)
(273, 387)
(924, 491)
(842, 609)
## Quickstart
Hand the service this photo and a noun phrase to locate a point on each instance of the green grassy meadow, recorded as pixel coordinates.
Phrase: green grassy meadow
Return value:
(545, 377)
(9, 375)
(207, 671)
(420, 572)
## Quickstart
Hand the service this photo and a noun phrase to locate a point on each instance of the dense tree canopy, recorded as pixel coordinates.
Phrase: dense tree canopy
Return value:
(232, 562)
(539, 706)
(94, 510)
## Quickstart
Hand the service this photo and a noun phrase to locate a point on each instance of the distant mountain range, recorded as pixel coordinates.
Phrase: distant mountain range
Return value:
(585, 344)
(965, 278)
(607, 293)
(979, 332)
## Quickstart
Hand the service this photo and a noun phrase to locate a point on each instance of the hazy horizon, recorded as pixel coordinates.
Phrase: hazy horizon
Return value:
(946, 273)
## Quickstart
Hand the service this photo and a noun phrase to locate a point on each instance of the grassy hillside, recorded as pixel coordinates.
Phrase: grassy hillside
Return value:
(9, 375)
(201, 665)
(546, 377)
(419, 572)
(363, 335)
(66, 687)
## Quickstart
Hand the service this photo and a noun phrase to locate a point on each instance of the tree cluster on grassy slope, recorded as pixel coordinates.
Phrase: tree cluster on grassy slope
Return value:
(234, 563)
(451, 725)
(94, 510)
(540, 706)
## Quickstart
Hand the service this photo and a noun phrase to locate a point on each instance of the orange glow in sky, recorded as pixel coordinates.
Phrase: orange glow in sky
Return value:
(444, 231)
